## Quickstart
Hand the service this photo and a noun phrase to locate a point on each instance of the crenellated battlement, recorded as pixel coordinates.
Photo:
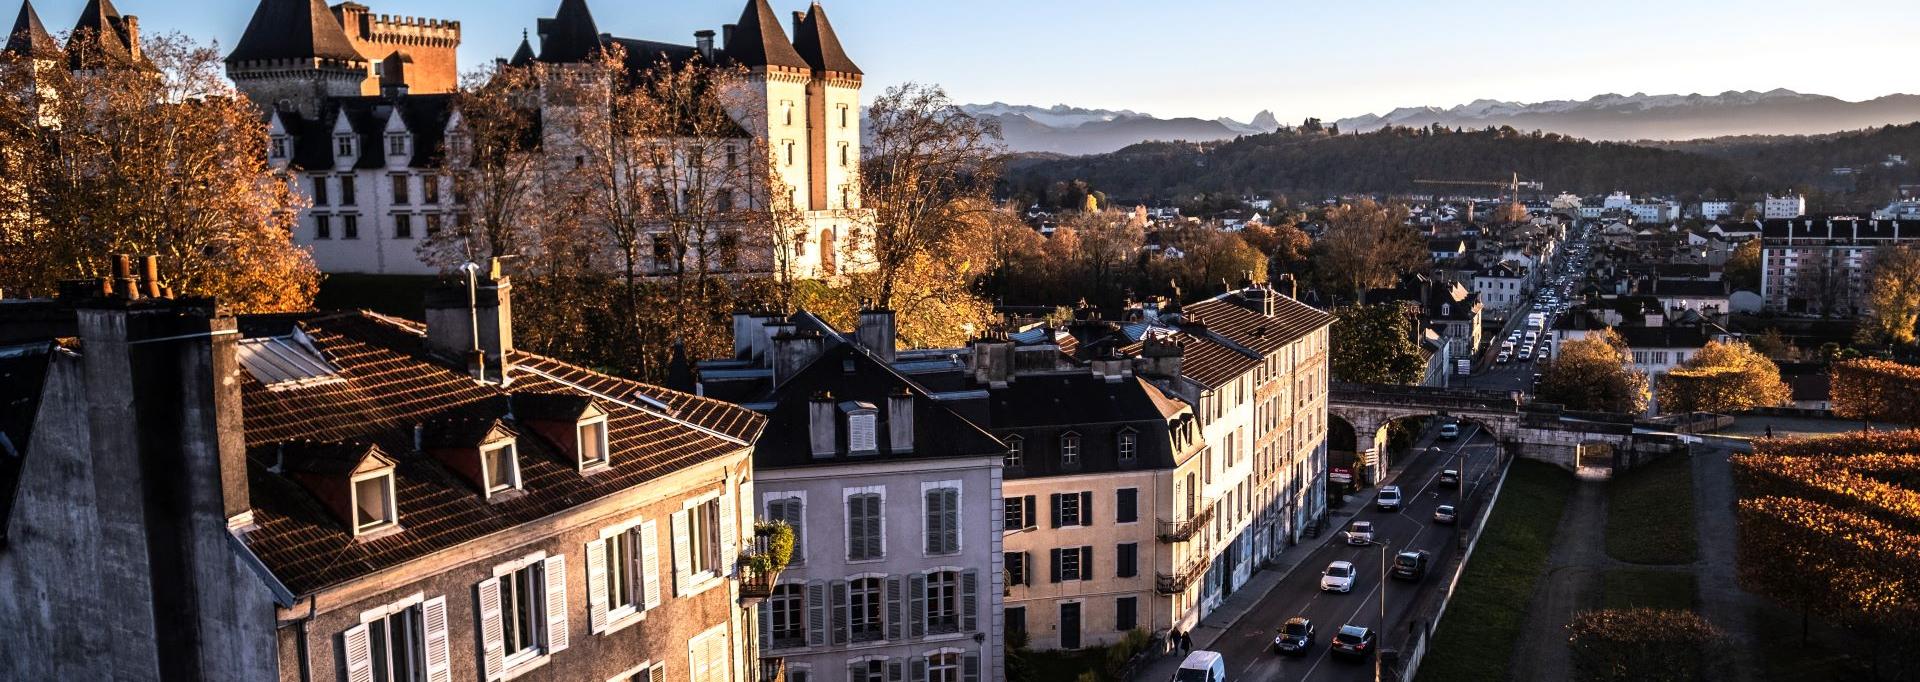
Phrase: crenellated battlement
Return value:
(397, 30)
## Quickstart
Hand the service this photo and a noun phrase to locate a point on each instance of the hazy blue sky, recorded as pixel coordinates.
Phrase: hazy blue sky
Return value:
(1212, 58)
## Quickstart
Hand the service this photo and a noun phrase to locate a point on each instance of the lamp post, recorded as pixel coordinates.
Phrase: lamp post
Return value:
(1385, 547)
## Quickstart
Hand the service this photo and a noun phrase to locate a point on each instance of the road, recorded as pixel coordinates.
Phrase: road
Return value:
(1248, 645)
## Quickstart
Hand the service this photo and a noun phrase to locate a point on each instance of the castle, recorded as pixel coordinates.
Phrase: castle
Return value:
(358, 106)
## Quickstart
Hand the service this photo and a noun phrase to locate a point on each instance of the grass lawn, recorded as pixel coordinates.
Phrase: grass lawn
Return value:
(1476, 637)
(397, 295)
(1650, 513)
(1639, 588)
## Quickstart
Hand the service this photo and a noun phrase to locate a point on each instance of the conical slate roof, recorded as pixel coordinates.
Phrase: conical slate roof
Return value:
(816, 42)
(570, 36)
(29, 37)
(294, 30)
(758, 40)
(524, 55)
(100, 39)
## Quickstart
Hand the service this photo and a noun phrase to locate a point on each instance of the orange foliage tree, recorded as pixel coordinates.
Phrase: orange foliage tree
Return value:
(1723, 377)
(1876, 390)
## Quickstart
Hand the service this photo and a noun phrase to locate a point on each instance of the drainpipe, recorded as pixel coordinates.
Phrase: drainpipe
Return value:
(300, 642)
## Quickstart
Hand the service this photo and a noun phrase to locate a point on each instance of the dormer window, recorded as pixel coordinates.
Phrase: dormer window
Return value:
(278, 148)
(500, 467)
(592, 442)
(397, 145)
(1070, 449)
(1016, 452)
(861, 419)
(373, 507)
(1129, 445)
(343, 146)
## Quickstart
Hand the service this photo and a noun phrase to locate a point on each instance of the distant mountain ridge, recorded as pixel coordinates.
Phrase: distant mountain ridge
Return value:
(1661, 117)
(1062, 129)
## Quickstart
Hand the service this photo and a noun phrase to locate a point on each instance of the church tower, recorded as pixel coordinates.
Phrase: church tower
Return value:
(294, 56)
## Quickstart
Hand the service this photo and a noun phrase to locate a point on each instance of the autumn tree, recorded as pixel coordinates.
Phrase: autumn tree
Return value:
(1211, 260)
(1869, 389)
(928, 174)
(1368, 246)
(161, 157)
(1374, 344)
(1283, 242)
(1743, 266)
(493, 162)
(1893, 297)
(1099, 250)
(1723, 377)
(1594, 373)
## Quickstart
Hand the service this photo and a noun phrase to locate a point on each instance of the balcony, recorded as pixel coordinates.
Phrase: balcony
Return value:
(1182, 531)
(1181, 579)
(761, 564)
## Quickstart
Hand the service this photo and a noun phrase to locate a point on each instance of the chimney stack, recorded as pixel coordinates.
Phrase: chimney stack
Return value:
(877, 332)
(726, 36)
(132, 24)
(703, 39)
(993, 358)
(482, 302)
(793, 352)
(822, 423)
(900, 421)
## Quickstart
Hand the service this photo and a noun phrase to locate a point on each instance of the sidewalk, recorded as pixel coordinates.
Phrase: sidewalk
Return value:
(1250, 595)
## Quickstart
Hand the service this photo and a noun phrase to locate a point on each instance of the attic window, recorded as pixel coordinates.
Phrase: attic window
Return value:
(396, 145)
(279, 147)
(592, 442)
(861, 418)
(1129, 445)
(373, 507)
(286, 362)
(343, 145)
(500, 466)
(1070, 449)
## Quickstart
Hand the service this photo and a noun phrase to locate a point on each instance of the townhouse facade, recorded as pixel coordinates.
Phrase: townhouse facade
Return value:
(344, 496)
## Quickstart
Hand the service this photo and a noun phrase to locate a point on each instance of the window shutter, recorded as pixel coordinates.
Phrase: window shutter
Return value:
(650, 564)
(1054, 555)
(1054, 501)
(433, 615)
(728, 533)
(936, 534)
(766, 624)
(919, 669)
(837, 592)
(1086, 508)
(556, 573)
(358, 653)
(816, 613)
(1086, 563)
(682, 567)
(658, 673)
(879, 523)
(856, 528)
(1031, 518)
(895, 671)
(970, 668)
(896, 621)
(969, 588)
(917, 595)
(597, 586)
(952, 525)
(492, 648)
(856, 671)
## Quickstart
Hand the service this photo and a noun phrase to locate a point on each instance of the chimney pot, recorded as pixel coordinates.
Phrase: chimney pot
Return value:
(900, 421)
(822, 425)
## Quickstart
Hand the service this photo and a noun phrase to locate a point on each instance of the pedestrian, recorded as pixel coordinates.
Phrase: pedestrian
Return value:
(1186, 641)
(1769, 430)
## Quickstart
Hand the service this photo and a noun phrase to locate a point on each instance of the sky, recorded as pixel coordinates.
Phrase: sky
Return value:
(1210, 58)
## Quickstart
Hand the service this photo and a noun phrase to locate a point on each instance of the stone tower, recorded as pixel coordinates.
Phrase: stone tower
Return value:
(294, 56)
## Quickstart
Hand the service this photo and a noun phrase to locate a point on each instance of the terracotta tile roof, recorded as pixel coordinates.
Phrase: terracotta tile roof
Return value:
(1236, 337)
(391, 386)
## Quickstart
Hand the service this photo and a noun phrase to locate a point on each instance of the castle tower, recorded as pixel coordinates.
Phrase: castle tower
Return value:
(833, 113)
(29, 38)
(779, 78)
(426, 46)
(103, 39)
(294, 56)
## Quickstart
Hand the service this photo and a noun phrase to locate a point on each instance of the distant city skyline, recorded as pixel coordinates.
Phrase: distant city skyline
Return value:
(1211, 58)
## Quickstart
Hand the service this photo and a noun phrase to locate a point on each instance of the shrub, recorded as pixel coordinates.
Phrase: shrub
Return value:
(1652, 645)
(1876, 390)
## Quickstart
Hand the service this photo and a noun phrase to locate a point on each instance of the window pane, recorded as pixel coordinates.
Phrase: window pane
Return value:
(500, 468)
(592, 442)
(372, 494)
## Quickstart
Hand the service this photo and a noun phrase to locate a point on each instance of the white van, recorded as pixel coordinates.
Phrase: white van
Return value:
(1202, 666)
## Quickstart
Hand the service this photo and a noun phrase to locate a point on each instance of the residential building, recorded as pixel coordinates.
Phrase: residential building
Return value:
(1784, 207)
(1501, 288)
(1822, 266)
(360, 120)
(346, 496)
(893, 496)
(1446, 250)
(1717, 209)
(1708, 297)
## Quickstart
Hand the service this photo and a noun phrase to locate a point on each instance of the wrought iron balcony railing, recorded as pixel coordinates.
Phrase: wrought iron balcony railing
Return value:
(1185, 529)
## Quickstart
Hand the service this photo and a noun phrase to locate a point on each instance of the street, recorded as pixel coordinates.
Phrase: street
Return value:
(1247, 646)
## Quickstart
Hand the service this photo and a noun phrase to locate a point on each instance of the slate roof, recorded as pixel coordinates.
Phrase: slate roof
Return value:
(570, 35)
(1663, 337)
(1039, 409)
(391, 386)
(758, 39)
(426, 117)
(29, 37)
(1233, 328)
(100, 38)
(294, 30)
(1690, 287)
(938, 431)
(523, 56)
(23, 369)
(816, 42)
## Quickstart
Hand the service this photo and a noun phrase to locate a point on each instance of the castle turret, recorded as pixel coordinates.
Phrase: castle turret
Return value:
(104, 39)
(29, 38)
(570, 36)
(833, 106)
(293, 56)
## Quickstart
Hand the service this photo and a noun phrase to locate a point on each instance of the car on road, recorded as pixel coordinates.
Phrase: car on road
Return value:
(1353, 641)
(1360, 533)
(1411, 565)
(1337, 578)
(1443, 514)
(1294, 637)
(1202, 666)
(1526, 354)
(1389, 498)
(1504, 358)
(1449, 478)
(1449, 431)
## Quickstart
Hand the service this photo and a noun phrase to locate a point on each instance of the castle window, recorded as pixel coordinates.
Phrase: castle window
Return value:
(343, 145)
(279, 147)
(319, 190)
(349, 227)
(786, 111)
(789, 152)
(347, 195)
(844, 147)
(397, 145)
(430, 190)
(402, 226)
(323, 227)
(433, 224)
(843, 116)
(402, 189)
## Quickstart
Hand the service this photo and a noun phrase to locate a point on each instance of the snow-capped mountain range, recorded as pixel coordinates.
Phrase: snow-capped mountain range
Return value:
(1071, 130)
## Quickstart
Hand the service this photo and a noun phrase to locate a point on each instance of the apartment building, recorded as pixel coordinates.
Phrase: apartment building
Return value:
(345, 496)
(1823, 265)
(894, 499)
(1783, 207)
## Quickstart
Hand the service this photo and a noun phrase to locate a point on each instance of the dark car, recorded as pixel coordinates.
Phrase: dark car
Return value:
(1411, 565)
(1449, 479)
(1294, 637)
(1353, 641)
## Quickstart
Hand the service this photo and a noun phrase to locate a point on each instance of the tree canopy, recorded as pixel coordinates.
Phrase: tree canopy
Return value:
(1373, 344)
(1723, 377)
(1593, 373)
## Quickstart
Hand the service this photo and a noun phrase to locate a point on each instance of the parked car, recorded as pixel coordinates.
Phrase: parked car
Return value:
(1337, 578)
(1449, 478)
(1411, 565)
(1294, 637)
(1360, 533)
(1202, 666)
(1443, 514)
(1352, 641)
(1388, 499)
(1449, 431)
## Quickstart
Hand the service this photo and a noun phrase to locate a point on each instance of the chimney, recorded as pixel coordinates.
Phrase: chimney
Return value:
(1161, 358)
(703, 39)
(726, 36)
(132, 25)
(793, 352)
(877, 332)
(822, 423)
(900, 421)
(1287, 286)
(393, 75)
(799, 19)
(125, 284)
(1112, 367)
(993, 360)
(480, 302)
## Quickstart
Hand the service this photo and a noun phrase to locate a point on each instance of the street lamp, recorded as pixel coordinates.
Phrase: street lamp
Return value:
(1378, 636)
